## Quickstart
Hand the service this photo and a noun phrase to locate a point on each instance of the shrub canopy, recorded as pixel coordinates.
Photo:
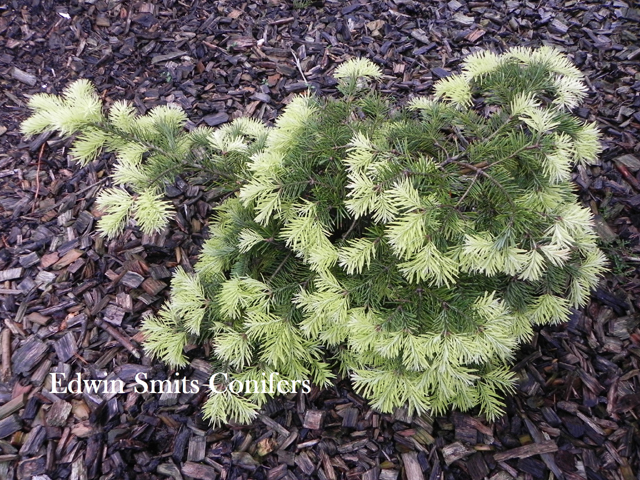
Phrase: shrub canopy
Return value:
(412, 246)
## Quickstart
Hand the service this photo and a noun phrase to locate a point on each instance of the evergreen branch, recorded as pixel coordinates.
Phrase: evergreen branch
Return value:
(108, 129)
(475, 178)
(484, 141)
(480, 171)
(277, 270)
(351, 227)
(185, 163)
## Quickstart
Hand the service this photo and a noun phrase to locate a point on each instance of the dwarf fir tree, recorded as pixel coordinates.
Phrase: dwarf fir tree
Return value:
(413, 247)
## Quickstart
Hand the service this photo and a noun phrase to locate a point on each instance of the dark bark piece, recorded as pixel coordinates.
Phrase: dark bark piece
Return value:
(33, 442)
(558, 27)
(153, 286)
(58, 413)
(278, 472)
(66, 347)
(199, 471)
(83, 222)
(535, 468)
(465, 429)
(10, 425)
(158, 272)
(455, 451)
(131, 279)
(113, 314)
(525, 451)
(412, 466)
(23, 76)
(349, 417)
(477, 466)
(305, 463)
(286, 457)
(244, 460)
(574, 426)
(57, 308)
(128, 371)
(388, 474)
(273, 425)
(29, 260)
(170, 470)
(327, 467)
(551, 417)
(197, 448)
(565, 460)
(30, 409)
(28, 355)
(167, 56)
(216, 119)
(93, 455)
(10, 274)
(440, 73)
(296, 87)
(180, 444)
(32, 467)
(352, 446)
(12, 406)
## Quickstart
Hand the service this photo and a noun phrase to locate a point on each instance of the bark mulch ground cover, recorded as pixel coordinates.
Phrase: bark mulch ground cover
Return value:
(71, 302)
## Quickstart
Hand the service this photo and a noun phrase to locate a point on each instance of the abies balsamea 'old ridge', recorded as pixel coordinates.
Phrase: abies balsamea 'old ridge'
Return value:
(413, 247)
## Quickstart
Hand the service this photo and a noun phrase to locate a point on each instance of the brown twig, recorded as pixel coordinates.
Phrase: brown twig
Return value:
(6, 353)
(475, 179)
(35, 197)
(280, 267)
(631, 180)
(122, 339)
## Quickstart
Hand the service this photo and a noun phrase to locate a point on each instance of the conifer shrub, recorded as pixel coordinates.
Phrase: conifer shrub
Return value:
(413, 247)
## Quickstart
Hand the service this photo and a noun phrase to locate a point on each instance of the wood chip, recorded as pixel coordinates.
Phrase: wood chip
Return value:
(12, 406)
(278, 472)
(412, 466)
(28, 355)
(66, 347)
(37, 317)
(29, 260)
(388, 474)
(10, 425)
(70, 257)
(274, 425)
(153, 286)
(167, 56)
(11, 274)
(455, 451)
(197, 448)
(58, 413)
(313, 419)
(33, 442)
(306, 464)
(478, 468)
(23, 76)
(525, 451)
(132, 279)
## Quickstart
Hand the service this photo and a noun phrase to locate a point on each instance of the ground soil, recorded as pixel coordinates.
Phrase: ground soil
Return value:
(71, 302)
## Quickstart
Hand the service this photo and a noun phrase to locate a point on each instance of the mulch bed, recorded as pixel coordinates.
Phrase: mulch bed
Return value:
(71, 302)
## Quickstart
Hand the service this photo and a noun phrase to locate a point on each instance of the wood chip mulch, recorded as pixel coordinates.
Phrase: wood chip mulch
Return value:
(71, 302)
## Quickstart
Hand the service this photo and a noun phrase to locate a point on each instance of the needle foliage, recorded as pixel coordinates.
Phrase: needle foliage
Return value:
(414, 247)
